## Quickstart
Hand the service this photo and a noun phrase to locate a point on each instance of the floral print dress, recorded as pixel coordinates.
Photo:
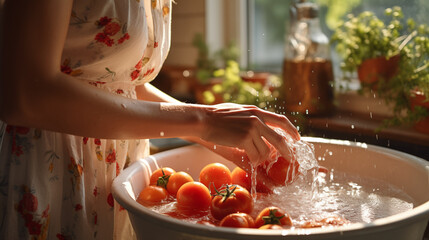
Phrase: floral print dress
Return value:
(58, 186)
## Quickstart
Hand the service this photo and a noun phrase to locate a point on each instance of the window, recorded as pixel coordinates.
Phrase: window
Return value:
(268, 21)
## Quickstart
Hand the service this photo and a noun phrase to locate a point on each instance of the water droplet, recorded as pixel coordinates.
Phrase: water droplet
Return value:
(352, 126)
(214, 147)
(370, 114)
(123, 105)
(161, 134)
(306, 111)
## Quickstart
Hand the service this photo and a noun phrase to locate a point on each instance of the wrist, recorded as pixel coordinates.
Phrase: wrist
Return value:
(185, 120)
(200, 113)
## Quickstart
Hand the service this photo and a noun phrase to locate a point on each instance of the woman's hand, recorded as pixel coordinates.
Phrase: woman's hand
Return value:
(246, 127)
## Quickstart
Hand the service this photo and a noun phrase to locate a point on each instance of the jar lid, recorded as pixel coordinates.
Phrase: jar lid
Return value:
(307, 10)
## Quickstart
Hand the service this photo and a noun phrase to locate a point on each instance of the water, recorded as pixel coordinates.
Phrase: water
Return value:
(302, 152)
(349, 196)
(357, 199)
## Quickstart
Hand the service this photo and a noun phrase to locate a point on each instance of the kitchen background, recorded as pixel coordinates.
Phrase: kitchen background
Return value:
(246, 41)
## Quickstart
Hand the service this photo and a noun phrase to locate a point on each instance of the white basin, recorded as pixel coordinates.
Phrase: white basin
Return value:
(408, 173)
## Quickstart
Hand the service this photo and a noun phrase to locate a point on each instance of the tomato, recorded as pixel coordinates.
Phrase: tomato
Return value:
(242, 178)
(193, 197)
(270, 226)
(160, 176)
(231, 199)
(283, 171)
(238, 220)
(152, 195)
(176, 180)
(215, 174)
(273, 215)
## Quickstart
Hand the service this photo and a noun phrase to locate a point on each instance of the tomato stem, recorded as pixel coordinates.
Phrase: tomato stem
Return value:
(272, 218)
(163, 180)
(225, 191)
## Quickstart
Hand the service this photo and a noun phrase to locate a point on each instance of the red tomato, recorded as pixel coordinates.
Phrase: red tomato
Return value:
(238, 220)
(193, 197)
(242, 178)
(270, 226)
(160, 176)
(273, 215)
(283, 171)
(231, 199)
(215, 174)
(152, 195)
(176, 180)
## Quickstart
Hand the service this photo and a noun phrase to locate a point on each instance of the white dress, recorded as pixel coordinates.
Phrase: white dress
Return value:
(57, 186)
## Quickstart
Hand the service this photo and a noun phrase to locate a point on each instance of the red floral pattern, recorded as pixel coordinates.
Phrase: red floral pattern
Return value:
(67, 69)
(20, 143)
(78, 207)
(35, 223)
(110, 29)
(97, 142)
(111, 157)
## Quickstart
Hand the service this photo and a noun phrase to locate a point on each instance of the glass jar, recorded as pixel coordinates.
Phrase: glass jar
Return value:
(307, 68)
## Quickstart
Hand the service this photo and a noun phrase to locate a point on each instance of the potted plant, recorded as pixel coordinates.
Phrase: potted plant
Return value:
(390, 60)
(206, 65)
(232, 88)
(370, 47)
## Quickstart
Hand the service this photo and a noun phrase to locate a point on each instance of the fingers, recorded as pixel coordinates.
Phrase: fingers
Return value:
(276, 140)
(248, 127)
(272, 119)
(261, 148)
(256, 149)
(281, 121)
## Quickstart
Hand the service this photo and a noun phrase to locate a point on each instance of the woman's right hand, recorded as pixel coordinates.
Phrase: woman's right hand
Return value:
(245, 127)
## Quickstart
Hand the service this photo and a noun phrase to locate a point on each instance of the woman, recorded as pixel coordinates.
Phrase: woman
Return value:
(77, 106)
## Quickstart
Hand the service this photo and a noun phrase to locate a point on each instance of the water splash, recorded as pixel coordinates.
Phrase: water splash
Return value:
(301, 151)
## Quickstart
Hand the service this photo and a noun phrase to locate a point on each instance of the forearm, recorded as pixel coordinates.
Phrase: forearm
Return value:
(64, 104)
(149, 92)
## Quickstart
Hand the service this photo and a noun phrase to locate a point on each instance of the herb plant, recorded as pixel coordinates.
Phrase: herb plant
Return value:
(365, 36)
(233, 89)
